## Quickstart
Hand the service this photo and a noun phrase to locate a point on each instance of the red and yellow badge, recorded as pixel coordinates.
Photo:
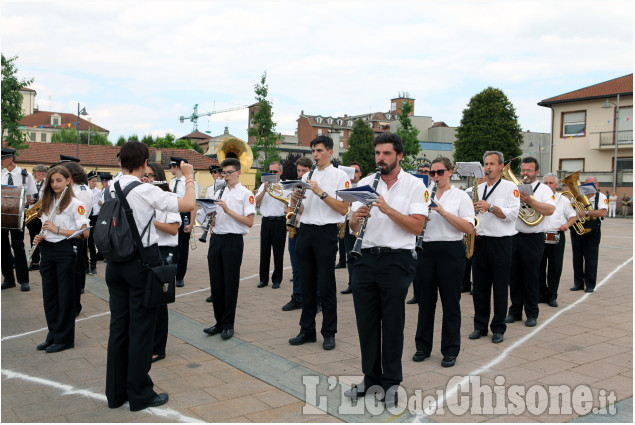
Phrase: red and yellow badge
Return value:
(251, 200)
(426, 195)
(553, 197)
(81, 210)
(347, 184)
(516, 193)
(606, 201)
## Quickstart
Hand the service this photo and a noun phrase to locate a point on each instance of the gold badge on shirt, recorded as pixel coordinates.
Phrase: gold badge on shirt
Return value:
(81, 210)
(251, 200)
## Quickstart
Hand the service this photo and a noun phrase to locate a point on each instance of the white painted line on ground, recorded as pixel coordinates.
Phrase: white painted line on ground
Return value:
(242, 278)
(46, 329)
(70, 390)
(463, 383)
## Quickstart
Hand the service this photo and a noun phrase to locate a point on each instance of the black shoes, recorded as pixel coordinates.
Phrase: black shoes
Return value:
(531, 322)
(348, 290)
(586, 290)
(477, 334)
(179, 284)
(158, 400)
(319, 308)
(340, 265)
(497, 338)
(302, 338)
(43, 346)
(93, 270)
(157, 357)
(209, 299)
(227, 333)
(213, 330)
(575, 288)
(291, 305)
(56, 348)
(420, 356)
(413, 300)
(511, 319)
(24, 287)
(7, 285)
(329, 343)
(448, 361)
(552, 303)
(275, 285)
(262, 284)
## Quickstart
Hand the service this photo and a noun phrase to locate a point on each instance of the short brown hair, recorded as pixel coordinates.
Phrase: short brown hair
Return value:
(305, 162)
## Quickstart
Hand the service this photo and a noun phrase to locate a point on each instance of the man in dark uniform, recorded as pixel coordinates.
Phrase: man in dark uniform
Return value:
(177, 185)
(387, 266)
(586, 248)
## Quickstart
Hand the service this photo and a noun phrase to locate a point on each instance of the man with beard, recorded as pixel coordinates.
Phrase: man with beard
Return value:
(382, 275)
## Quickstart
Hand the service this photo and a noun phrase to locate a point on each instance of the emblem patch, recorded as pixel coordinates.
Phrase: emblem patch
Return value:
(606, 201)
(251, 200)
(347, 185)
(81, 210)
(426, 195)
(516, 193)
(553, 197)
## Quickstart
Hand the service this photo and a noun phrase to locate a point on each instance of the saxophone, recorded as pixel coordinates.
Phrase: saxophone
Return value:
(468, 239)
(33, 212)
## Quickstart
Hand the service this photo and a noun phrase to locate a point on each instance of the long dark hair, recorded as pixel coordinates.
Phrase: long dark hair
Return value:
(48, 196)
(159, 175)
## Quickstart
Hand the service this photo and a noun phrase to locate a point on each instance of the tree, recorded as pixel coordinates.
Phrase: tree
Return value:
(289, 171)
(360, 147)
(12, 104)
(147, 140)
(70, 137)
(488, 124)
(263, 128)
(121, 141)
(409, 136)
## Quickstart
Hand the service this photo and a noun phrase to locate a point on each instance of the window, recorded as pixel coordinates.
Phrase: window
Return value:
(572, 165)
(329, 120)
(350, 123)
(573, 123)
(393, 106)
(318, 120)
(341, 144)
(43, 137)
(55, 121)
(388, 116)
(625, 164)
(33, 139)
(339, 122)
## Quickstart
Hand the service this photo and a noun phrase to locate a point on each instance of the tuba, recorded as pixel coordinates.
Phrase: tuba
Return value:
(579, 202)
(527, 214)
(235, 148)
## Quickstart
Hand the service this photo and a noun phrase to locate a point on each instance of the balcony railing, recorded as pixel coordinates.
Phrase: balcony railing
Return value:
(624, 137)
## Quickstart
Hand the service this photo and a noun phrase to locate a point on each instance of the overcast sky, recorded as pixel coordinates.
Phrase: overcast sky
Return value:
(138, 66)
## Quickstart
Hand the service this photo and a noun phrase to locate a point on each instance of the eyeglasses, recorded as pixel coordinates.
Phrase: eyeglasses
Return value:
(227, 173)
(274, 171)
(437, 172)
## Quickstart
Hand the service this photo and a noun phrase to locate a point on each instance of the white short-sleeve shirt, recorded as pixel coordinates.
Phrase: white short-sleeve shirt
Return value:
(316, 211)
(240, 200)
(74, 216)
(542, 193)
(505, 196)
(455, 202)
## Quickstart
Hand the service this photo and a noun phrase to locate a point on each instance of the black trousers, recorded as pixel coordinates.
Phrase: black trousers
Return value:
(467, 276)
(527, 249)
(184, 249)
(91, 241)
(491, 264)
(131, 337)
(349, 243)
(440, 268)
(380, 285)
(551, 269)
(161, 328)
(57, 266)
(273, 234)
(80, 271)
(35, 227)
(585, 256)
(19, 256)
(341, 249)
(224, 259)
(315, 249)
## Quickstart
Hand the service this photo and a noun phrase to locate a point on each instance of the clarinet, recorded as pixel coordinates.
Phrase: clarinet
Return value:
(357, 248)
(211, 217)
(53, 214)
(293, 217)
(419, 246)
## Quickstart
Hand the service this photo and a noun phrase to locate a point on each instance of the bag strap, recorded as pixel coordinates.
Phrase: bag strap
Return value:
(131, 222)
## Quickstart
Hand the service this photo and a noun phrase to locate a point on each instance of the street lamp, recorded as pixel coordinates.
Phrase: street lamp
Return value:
(82, 112)
(616, 120)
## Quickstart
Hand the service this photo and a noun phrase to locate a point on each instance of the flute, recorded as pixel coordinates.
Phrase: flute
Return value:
(357, 248)
(53, 214)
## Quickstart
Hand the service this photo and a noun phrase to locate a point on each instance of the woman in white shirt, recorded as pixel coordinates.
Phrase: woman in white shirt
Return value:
(58, 258)
(441, 264)
(612, 204)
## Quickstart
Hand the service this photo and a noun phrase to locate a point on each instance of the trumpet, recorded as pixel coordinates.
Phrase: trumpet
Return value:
(357, 248)
(52, 216)
(419, 245)
(579, 202)
(292, 217)
(210, 218)
(527, 214)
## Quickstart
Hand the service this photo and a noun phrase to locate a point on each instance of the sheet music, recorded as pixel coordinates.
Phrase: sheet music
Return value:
(208, 205)
(269, 178)
(469, 169)
(364, 194)
(587, 189)
(292, 184)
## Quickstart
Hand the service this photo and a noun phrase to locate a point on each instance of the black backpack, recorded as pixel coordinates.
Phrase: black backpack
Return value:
(112, 233)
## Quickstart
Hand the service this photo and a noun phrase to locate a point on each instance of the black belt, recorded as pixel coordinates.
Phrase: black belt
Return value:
(281, 217)
(384, 250)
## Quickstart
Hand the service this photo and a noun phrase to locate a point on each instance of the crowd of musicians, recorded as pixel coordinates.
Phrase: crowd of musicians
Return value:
(411, 234)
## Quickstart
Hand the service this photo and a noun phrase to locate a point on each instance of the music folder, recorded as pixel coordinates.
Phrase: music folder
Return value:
(364, 194)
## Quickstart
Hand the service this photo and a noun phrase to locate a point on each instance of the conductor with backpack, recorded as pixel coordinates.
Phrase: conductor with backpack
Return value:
(130, 343)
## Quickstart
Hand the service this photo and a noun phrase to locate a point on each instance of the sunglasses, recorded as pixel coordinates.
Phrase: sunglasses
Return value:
(274, 171)
(227, 173)
(437, 172)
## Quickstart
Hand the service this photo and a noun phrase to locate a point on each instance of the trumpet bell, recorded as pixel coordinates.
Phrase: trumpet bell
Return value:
(276, 192)
(527, 214)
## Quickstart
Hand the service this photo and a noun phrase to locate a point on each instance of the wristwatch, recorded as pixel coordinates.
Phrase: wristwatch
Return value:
(324, 195)
(491, 208)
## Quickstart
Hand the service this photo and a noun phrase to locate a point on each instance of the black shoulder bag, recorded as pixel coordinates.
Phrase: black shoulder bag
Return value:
(160, 282)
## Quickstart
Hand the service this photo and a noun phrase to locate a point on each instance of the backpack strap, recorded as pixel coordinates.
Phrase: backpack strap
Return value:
(121, 195)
